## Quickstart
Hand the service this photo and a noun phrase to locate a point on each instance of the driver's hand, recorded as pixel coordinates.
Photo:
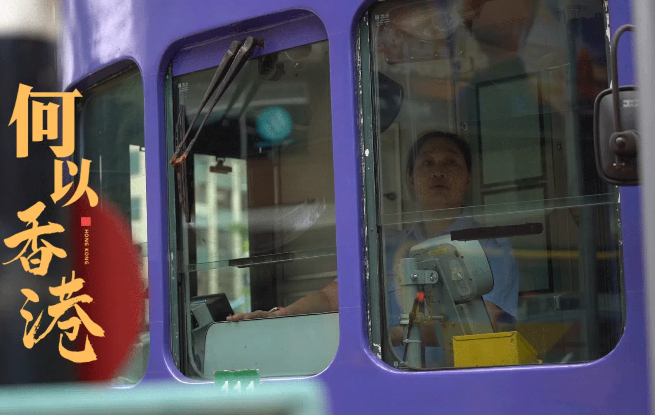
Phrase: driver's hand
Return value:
(254, 314)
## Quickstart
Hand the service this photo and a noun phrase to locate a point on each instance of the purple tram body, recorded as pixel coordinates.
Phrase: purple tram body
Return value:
(102, 37)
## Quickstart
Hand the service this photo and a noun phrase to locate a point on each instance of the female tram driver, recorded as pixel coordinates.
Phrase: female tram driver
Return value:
(439, 175)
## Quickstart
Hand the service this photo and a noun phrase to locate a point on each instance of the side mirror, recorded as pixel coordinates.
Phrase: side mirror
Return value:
(391, 95)
(616, 139)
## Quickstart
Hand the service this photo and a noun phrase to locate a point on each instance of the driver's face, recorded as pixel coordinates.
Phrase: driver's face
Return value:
(440, 179)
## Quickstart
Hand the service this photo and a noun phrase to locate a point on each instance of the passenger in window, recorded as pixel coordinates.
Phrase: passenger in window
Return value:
(439, 175)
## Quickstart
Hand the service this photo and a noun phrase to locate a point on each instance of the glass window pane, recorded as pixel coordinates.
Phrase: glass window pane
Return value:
(520, 158)
(260, 232)
(489, 206)
(110, 134)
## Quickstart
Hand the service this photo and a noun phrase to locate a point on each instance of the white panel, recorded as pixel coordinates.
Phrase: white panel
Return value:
(286, 346)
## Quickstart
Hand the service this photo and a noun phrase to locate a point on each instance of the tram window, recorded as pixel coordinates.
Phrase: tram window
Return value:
(110, 134)
(260, 230)
(495, 139)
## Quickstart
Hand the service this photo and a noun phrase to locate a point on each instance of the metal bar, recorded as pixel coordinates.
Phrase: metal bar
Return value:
(615, 75)
(367, 120)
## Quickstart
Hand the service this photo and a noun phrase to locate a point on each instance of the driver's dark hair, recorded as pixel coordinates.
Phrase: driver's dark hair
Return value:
(461, 144)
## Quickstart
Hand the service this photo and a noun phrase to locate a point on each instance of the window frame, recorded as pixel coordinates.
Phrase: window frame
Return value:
(104, 76)
(376, 299)
(294, 30)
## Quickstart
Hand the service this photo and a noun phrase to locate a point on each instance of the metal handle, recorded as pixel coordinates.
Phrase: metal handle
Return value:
(615, 74)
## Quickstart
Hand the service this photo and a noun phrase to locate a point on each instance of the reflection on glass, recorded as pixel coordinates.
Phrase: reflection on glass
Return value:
(260, 189)
(505, 90)
(110, 134)
(221, 224)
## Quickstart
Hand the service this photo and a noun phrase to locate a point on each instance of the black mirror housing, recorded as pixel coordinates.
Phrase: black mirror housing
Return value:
(616, 150)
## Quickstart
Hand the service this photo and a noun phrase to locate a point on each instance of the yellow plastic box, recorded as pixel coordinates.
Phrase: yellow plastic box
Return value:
(493, 349)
